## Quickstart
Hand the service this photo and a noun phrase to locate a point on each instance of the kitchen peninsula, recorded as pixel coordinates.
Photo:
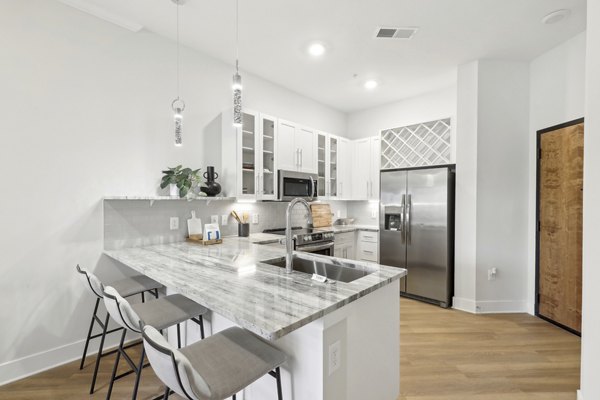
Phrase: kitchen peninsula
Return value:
(342, 339)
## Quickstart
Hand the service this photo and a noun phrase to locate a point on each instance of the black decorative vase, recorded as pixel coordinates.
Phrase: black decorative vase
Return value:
(212, 188)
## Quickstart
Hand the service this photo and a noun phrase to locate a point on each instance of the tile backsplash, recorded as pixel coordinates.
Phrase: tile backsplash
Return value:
(132, 223)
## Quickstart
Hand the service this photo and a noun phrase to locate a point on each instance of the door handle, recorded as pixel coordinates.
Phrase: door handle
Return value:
(301, 158)
(257, 186)
(403, 219)
(408, 217)
(262, 184)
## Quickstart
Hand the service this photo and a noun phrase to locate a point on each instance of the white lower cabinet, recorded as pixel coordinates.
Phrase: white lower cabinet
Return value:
(344, 245)
(367, 246)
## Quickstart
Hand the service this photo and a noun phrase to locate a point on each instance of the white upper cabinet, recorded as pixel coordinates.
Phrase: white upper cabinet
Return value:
(267, 150)
(344, 169)
(365, 169)
(296, 148)
(333, 160)
(249, 156)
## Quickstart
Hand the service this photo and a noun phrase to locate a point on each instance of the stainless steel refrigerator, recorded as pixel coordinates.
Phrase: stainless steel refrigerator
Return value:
(417, 230)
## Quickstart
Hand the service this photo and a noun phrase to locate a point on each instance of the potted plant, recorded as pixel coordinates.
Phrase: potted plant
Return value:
(180, 180)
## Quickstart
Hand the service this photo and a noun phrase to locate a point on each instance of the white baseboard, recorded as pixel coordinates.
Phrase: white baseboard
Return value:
(35, 363)
(502, 307)
(463, 304)
(490, 307)
(579, 396)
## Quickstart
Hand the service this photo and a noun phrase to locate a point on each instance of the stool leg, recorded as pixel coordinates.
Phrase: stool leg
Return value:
(233, 397)
(138, 375)
(156, 293)
(99, 355)
(201, 327)
(167, 392)
(278, 377)
(87, 340)
(178, 337)
(114, 372)
(143, 298)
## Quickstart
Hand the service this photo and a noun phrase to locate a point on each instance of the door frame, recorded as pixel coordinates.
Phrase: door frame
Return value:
(537, 219)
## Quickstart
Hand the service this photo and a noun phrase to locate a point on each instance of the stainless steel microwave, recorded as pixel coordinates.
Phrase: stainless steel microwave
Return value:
(294, 184)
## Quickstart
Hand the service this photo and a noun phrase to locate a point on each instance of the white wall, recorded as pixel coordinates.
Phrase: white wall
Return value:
(492, 190)
(84, 113)
(557, 95)
(502, 184)
(428, 107)
(590, 353)
(465, 254)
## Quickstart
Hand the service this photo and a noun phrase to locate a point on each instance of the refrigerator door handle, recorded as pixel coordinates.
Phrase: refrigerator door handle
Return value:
(408, 226)
(403, 219)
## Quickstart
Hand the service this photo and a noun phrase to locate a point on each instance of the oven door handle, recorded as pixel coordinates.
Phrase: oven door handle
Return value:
(315, 247)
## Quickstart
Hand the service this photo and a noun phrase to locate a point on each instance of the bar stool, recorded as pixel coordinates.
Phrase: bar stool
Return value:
(215, 368)
(126, 287)
(162, 313)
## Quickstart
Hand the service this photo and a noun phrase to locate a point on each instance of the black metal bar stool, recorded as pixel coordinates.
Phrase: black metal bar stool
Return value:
(215, 368)
(138, 284)
(162, 313)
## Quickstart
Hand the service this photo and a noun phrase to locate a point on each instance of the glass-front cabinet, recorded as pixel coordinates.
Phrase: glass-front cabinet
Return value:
(333, 167)
(247, 140)
(268, 167)
(321, 165)
(327, 166)
(257, 169)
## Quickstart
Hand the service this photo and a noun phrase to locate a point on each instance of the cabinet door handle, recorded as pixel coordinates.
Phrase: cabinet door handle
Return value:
(297, 157)
(257, 186)
(367, 251)
(301, 157)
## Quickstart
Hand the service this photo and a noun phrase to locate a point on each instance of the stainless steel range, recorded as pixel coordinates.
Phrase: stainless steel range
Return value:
(317, 241)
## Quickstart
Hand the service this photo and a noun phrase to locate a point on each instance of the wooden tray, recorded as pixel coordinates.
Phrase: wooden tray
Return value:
(198, 239)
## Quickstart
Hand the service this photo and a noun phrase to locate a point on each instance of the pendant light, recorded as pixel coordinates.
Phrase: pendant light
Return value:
(237, 79)
(178, 105)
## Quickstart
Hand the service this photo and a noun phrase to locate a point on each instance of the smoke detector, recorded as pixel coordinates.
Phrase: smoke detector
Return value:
(405, 33)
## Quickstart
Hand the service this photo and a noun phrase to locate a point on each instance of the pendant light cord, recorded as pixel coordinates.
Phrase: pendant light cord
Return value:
(237, 36)
(177, 49)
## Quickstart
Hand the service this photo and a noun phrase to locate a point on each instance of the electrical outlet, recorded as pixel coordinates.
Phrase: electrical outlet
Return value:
(255, 218)
(335, 356)
(214, 219)
(174, 223)
(492, 272)
(224, 219)
(373, 214)
(339, 213)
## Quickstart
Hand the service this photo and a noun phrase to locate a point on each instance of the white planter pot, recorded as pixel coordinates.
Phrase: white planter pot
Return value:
(173, 190)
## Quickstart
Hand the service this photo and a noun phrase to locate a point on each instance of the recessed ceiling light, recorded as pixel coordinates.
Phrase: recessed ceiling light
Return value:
(371, 84)
(556, 16)
(316, 49)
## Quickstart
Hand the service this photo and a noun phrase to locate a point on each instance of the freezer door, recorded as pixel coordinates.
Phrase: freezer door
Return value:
(427, 233)
(392, 236)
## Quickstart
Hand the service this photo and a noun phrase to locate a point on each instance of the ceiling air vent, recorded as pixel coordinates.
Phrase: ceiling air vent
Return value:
(395, 33)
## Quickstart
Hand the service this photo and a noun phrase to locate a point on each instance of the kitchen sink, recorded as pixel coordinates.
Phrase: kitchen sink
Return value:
(333, 269)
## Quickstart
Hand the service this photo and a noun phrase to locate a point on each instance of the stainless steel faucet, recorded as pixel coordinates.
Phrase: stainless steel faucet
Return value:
(289, 246)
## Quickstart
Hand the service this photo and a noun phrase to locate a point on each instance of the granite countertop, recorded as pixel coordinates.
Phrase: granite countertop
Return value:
(353, 228)
(230, 280)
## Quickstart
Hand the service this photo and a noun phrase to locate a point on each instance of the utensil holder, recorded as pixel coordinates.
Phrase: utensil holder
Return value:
(243, 230)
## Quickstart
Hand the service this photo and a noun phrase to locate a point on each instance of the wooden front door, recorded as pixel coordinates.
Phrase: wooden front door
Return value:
(560, 222)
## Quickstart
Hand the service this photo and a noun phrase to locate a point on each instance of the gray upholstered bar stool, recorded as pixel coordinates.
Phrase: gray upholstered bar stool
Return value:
(134, 285)
(215, 368)
(162, 313)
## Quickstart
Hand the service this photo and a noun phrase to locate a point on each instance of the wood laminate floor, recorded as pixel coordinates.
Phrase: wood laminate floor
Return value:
(445, 355)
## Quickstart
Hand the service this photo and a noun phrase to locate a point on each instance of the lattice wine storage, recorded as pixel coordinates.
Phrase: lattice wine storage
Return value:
(416, 145)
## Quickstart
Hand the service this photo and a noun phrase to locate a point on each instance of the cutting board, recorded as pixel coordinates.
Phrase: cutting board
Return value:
(194, 226)
(321, 214)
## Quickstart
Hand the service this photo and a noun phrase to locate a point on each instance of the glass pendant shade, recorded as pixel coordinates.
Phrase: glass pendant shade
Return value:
(237, 100)
(178, 106)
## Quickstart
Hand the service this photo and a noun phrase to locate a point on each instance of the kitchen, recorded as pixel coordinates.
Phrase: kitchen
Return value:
(85, 91)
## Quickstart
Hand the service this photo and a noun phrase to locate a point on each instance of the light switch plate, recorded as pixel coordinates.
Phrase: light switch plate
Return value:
(214, 219)
(373, 214)
(174, 223)
(224, 219)
(255, 218)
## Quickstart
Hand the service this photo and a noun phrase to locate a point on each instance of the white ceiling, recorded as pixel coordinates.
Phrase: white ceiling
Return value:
(274, 35)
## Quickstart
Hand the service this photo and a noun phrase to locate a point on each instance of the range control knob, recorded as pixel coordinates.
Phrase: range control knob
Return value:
(307, 238)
